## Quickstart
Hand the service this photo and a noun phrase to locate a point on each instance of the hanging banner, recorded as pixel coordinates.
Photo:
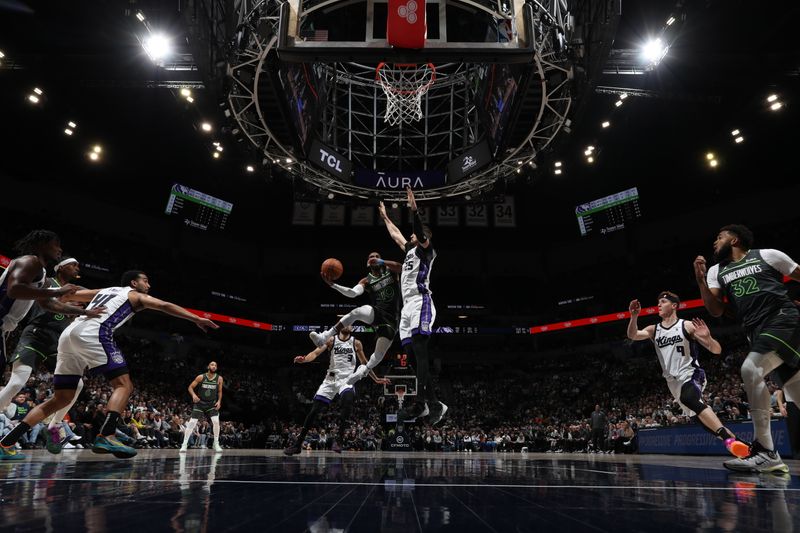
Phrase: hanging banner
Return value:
(447, 215)
(333, 215)
(304, 214)
(504, 214)
(362, 215)
(477, 215)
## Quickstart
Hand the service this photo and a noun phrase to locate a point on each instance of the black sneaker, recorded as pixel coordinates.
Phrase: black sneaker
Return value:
(292, 450)
(417, 410)
(437, 413)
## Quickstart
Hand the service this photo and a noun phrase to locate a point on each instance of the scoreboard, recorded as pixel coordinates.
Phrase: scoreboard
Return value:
(198, 210)
(610, 213)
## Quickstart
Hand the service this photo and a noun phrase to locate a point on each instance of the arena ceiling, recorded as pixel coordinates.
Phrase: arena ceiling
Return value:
(89, 63)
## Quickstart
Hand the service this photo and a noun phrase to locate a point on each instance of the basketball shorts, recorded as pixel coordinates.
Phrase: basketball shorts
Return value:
(385, 322)
(417, 317)
(697, 380)
(36, 345)
(779, 333)
(78, 351)
(204, 408)
(335, 383)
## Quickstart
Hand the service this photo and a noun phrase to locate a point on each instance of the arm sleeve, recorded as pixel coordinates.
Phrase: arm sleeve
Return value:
(779, 261)
(358, 290)
(418, 228)
(711, 277)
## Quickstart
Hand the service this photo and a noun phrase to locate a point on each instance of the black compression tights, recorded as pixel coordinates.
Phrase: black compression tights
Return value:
(419, 348)
(316, 408)
(346, 400)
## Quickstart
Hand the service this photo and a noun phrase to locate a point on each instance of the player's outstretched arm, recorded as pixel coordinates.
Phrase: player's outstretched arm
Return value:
(22, 273)
(393, 266)
(55, 306)
(355, 292)
(416, 220)
(634, 333)
(712, 296)
(698, 329)
(310, 356)
(394, 231)
(148, 302)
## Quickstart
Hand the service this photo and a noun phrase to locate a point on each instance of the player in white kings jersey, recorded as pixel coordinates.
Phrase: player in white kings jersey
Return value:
(677, 352)
(418, 313)
(89, 343)
(344, 349)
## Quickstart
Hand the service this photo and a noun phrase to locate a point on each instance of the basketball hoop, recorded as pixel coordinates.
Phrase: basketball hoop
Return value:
(400, 392)
(404, 85)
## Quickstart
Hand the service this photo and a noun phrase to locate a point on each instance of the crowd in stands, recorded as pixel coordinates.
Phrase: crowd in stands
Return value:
(542, 407)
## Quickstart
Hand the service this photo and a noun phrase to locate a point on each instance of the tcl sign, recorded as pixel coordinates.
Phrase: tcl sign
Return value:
(328, 160)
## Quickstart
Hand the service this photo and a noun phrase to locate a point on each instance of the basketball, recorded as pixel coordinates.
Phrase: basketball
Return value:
(332, 268)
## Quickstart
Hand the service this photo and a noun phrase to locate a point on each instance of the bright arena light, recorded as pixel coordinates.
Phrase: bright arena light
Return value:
(776, 106)
(205, 126)
(72, 125)
(157, 46)
(37, 91)
(605, 124)
(772, 97)
(33, 99)
(713, 163)
(68, 131)
(288, 159)
(590, 159)
(558, 164)
(219, 148)
(738, 139)
(186, 93)
(670, 21)
(710, 156)
(215, 155)
(190, 99)
(654, 51)
(2, 55)
(250, 168)
(557, 172)
(618, 103)
(94, 156)
(735, 132)
(97, 149)
(140, 16)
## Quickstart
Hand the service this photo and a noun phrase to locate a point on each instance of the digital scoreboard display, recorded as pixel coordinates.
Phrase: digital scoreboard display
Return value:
(610, 213)
(198, 210)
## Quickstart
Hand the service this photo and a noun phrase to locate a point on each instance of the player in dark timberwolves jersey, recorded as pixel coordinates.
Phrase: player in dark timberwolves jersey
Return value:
(88, 342)
(418, 313)
(206, 393)
(752, 281)
(23, 282)
(382, 312)
(38, 343)
(344, 348)
(674, 339)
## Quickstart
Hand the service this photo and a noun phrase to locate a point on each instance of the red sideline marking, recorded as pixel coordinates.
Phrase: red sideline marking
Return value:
(612, 317)
(232, 320)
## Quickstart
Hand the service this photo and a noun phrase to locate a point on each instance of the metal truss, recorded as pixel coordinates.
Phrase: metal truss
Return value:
(352, 117)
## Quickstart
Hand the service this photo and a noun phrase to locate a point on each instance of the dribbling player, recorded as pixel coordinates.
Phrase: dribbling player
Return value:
(344, 349)
(89, 342)
(677, 353)
(207, 402)
(382, 312)
(418, 313)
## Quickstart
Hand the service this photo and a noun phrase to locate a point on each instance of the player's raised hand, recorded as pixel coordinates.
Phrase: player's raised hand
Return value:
(206, 324)
(383, 381)
(382, 210)
(701, 330)
(300, 359)
(412, 202)
(326, 278)
(635, 308)
(700, 269)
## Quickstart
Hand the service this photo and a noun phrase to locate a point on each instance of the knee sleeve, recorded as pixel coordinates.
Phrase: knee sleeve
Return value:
(381, 347)
(364, 314)
(690, 397)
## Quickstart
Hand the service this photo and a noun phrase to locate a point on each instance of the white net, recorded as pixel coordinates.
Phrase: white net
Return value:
(404, 86)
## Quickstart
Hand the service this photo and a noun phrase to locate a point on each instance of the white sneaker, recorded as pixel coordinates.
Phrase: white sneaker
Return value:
(217, 447)
(360, 372)
(760, 460)
(318, 339)
(425, 412)
(68, 446)
(182, 450)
